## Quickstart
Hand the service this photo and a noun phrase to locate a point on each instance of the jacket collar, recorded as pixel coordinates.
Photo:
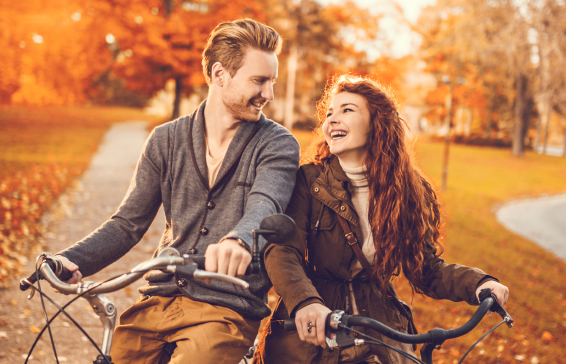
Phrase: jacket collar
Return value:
(245, 133)
(333, 189)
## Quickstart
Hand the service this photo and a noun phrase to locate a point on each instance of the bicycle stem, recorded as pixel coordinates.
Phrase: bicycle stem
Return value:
(106, 312)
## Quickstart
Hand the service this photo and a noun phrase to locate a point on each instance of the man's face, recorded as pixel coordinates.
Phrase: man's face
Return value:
(245, 94)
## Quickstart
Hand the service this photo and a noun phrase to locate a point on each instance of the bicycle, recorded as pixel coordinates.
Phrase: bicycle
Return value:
(274, 228)
(340, 325)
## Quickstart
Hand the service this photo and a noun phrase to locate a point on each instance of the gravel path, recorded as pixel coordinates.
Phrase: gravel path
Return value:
(542, 220)
(89, 203)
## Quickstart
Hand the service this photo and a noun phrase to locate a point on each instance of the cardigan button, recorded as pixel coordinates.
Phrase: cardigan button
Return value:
(210, 205)
(203, 231)
(316, 189)
(182, 282)
(342, 207)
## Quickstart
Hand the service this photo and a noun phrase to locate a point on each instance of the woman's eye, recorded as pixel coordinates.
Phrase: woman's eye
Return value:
(328, 115)
(346, 110)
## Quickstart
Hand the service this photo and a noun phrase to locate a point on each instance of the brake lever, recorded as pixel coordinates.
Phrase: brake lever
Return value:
(191, 271)
(496, 307)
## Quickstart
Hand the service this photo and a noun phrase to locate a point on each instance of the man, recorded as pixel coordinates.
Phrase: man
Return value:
(218, 172)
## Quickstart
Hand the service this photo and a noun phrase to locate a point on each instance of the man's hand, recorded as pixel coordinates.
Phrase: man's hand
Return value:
(77, 275)
(500, 291)
(227, 257)
(311, 321)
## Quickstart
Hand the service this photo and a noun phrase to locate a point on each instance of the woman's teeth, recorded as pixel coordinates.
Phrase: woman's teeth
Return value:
(338, 134)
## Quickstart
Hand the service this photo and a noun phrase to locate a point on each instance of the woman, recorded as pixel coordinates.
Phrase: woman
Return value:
(360, 178)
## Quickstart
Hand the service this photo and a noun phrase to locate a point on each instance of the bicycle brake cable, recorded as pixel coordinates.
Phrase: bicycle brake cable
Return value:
(62, 310)
(47, 322)
(374, 341)
(480, 339)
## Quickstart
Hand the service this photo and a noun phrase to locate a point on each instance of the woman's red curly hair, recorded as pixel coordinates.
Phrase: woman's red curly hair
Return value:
(404, 212)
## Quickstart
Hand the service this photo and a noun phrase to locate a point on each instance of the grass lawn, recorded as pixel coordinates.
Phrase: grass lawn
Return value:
(478, 180)
(41, 151)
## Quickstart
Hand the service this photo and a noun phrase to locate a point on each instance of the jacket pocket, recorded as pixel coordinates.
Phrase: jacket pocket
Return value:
(323, 220)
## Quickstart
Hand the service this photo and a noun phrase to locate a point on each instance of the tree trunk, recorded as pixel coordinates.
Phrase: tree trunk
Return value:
(518, 145)
(168, 6)
(178, 95)
(290, 95)
(547, 124)
(489, 126)
(447, 139)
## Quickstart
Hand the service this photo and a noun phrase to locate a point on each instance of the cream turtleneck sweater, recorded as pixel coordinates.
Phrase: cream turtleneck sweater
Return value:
(360, 199)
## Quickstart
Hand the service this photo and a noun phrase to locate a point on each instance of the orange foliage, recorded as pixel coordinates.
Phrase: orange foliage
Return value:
(156, 46)
(51, 52)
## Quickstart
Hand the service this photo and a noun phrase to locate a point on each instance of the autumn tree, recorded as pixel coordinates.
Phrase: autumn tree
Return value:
(550, 39)
(161, 40)
(485, 43)
(51, 52)
(318, 41)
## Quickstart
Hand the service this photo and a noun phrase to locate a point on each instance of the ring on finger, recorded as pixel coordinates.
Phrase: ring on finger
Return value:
(310, 326)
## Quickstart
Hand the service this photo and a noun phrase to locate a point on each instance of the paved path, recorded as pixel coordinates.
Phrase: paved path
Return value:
(79, 211)
(542, 220)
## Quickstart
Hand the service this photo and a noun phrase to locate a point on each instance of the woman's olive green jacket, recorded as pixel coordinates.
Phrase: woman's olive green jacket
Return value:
(314, 267)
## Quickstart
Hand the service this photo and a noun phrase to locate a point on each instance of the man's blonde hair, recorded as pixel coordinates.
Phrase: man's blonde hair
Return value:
(229, 41)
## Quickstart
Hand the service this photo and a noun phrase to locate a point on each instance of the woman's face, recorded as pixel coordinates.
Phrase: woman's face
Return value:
(347, 128)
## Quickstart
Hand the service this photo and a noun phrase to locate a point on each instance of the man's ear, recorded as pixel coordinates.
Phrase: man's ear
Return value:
(218, 74)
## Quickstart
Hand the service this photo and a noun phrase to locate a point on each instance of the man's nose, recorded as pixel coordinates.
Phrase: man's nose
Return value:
(267, 91)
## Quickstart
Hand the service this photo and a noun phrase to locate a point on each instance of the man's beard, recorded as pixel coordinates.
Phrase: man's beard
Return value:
(241, 109)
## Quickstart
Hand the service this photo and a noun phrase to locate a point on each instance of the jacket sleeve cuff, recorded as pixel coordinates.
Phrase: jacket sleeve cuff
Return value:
(305, 303)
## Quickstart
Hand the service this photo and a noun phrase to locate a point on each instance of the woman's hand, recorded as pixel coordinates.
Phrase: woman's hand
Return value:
(500, 291)
(315, 315)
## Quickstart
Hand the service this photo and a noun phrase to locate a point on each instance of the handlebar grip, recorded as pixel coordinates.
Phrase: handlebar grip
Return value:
(200, 259)
(289, 324)
(496, 307)
(56, 266)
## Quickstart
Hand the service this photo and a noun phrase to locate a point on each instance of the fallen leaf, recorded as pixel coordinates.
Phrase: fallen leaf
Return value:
(3, 334)
(547, 336)
(34, 329)
(500, 348)
(14, 303)
(41, 352)
(519, 357)
(27, 312)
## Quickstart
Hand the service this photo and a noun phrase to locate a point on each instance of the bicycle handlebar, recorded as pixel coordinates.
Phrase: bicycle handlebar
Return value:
(181, 266)
(489, 301)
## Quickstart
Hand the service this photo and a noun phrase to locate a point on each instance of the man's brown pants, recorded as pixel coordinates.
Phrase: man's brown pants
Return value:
(204, 333)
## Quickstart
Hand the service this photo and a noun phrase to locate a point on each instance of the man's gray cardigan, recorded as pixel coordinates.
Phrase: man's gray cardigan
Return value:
(256, 179)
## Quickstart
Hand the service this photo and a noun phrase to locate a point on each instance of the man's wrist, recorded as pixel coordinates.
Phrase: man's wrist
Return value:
(239, 241)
